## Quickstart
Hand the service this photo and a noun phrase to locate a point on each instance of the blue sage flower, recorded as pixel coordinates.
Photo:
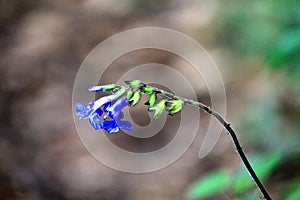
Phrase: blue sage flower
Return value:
(85, 112)
(96, 109)
(93, 111)
(116, 114)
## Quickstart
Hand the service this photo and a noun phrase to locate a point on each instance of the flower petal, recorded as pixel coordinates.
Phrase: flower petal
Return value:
(110, 126)
(106, 106)
(99, 111)
(117, 107)
(126, 125)
(96, 122)
(103, 100)
(120, 115)
(82, 111)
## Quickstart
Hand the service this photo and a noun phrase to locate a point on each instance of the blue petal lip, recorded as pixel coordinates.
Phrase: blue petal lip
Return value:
(96, 122)
(103, 105)
(115, 112)
(106, 106)
(110, 126)
(99, 111)
(121, 115)
(118, 106)
(126, 125)
(82, 111)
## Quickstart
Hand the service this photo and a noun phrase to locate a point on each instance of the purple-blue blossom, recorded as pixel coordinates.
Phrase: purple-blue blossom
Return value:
(109, 106)
(115, 112)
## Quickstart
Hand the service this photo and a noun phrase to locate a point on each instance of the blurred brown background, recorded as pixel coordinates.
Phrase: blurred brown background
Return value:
(43, 44)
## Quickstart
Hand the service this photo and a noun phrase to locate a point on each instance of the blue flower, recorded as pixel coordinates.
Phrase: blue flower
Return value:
(115, 112)
(85, 112)
(95, 110)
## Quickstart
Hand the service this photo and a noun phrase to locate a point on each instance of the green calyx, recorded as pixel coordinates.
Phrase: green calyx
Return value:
(158, 109)
(147, 90)
(133, 83)
(129, 94)
(174, 106)
(115, 90)
(109, 87)
(121, 92)
(136, 97)
(152, 100)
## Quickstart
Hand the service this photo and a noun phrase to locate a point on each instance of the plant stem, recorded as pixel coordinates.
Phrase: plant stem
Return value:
(230, 131)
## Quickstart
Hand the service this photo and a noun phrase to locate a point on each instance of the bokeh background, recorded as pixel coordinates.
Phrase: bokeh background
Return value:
(256, 45)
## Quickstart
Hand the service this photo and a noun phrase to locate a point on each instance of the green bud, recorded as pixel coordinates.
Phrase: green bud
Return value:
(158, 109)
(121, 92)
(133, 84)
(174, 106)
(109, 87)
(115, 90)
(152, 100)
(129, 94)
(135, 98)
(147, 90)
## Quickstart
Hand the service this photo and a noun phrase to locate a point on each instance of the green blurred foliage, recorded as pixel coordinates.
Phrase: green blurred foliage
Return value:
(268, 29)
(238, 182)
(263, 165)
(209, 185)
(267, 130)
(263, 125)
(149, 7)
(250, 196)
(294, 190)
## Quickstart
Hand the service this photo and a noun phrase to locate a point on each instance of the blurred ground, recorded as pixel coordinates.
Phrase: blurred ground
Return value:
(42, 46)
